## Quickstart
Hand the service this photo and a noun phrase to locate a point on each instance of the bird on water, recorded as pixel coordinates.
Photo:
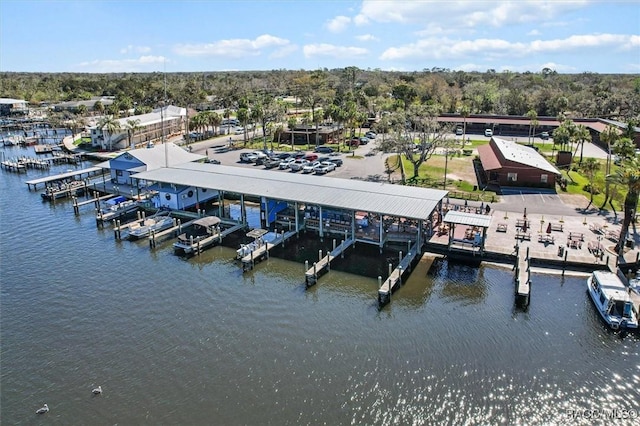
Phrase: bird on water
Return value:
(42, 409)
(97, 391)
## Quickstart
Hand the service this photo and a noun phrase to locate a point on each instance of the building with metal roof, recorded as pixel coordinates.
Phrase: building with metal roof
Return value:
(9, 106)
(123, 166)
(507, 163)
(348, 194)
(153, 126)
(366, 211)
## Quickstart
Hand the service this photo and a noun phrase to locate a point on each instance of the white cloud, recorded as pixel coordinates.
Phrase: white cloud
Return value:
(360, 20)
(329, 50)
(533, 32)
(469, 13)
(233, 48)
(338, 24)
(367, 37)
(135, 49)
(283, 51)
(143, 63)
(442, 47)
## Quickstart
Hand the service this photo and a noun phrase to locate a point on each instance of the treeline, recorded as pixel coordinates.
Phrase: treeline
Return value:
(615, 96)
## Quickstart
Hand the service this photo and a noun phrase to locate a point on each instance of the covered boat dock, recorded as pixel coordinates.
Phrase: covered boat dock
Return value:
(369, 212)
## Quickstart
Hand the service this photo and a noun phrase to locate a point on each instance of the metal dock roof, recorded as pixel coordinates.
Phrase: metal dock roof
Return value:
(349, 194)
(469, 219)
(64, 175)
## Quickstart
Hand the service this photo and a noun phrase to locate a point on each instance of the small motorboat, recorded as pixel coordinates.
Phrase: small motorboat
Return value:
(611, 298)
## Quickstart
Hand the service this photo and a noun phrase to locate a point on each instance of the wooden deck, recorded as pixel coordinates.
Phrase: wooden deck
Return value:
(312, 274)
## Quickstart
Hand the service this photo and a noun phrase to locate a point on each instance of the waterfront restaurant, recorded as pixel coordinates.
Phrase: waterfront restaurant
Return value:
(369, 212)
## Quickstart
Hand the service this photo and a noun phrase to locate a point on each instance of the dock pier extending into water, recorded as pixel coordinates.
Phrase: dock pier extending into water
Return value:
(523, 279)
(395, 277)
(248, 261)
(324, 263)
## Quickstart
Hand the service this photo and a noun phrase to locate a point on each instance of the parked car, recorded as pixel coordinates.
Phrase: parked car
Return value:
(364, 140)
(324, 167)
(238, 130)
(337, 161)
(458, 131)
(321, 159)
(324, 150)
(298, 164)
(284, 155)
(260, 156)
(284, 164)
(310, 167)
(248, 157)
(544, 135)
(355, 142)
(311, 157)
(299, 154)
(488, 132)
(370, 135)
(271, 163)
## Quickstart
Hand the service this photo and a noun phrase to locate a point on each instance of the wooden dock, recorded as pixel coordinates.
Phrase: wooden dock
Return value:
(523, 279)
(249, 261)
(14, 166)
(395, 277)
(324, 264)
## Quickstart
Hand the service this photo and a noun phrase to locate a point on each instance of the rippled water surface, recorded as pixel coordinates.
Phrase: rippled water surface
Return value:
(174, 341)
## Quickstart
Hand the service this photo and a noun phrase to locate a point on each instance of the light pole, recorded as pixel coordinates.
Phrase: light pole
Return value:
(446, 163)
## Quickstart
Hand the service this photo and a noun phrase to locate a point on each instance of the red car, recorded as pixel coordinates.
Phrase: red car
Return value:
(354, 142)
(311, 157)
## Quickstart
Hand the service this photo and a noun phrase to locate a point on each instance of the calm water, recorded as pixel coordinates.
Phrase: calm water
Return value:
(196, 341)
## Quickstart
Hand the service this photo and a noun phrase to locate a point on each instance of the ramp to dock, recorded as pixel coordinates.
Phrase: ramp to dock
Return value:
(312, 274)
(395, 278)
(249, 260)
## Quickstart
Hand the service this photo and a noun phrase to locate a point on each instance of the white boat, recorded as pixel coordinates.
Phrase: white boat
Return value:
(151, 224)
(260, 236)
(203, 233)
(117, 207)
(611, 298)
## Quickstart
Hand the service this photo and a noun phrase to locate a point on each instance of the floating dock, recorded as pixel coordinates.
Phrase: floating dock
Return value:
(324, 264)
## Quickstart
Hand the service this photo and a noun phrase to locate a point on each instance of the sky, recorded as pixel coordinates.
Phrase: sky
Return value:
(404, 35)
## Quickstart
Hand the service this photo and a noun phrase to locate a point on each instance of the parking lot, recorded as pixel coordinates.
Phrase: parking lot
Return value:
(361, 163)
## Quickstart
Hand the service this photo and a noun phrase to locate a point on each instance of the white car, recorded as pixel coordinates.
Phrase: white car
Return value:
(325, 167)
(284, 164)
(297, 165)
(488, 133)
(248, 157)
(259, 155)
(238, 130)
(310, 167)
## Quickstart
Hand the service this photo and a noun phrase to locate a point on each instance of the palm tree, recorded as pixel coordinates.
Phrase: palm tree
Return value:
(533, 122)
(582, 135)
(590, 168)
(628, 175)
(608, 136)
(109, 125)
(132, 128)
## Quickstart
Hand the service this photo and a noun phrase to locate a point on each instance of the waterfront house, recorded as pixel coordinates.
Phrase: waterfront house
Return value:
(10, 107)
(145, 159)
(506, 163)
(161, 123)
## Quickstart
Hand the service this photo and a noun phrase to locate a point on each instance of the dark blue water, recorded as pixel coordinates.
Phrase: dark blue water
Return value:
(175, 341)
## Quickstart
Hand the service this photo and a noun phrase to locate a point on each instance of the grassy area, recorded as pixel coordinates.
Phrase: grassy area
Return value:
(431, 174)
